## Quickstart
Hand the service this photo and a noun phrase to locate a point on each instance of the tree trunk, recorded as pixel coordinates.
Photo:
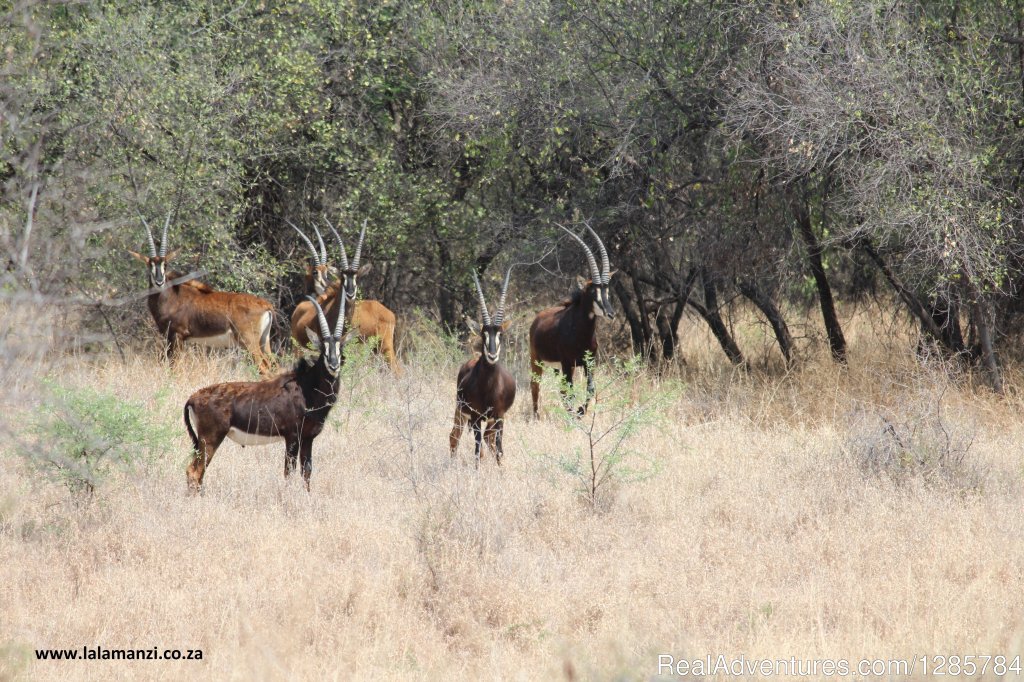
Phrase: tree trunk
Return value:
(709, 311)
(834, 330)
(983, 324)
(636, 333)
(767, 306)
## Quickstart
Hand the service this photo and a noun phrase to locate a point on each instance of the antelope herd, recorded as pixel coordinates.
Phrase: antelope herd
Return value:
(292, 406)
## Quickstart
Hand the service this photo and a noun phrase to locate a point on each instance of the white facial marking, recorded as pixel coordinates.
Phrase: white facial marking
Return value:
(244, 438)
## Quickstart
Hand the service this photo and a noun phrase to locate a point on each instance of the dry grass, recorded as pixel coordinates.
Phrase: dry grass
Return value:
(763, 534)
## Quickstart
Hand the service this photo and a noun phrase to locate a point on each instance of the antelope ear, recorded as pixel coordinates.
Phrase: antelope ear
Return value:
(347, 336)
(313, 337)
(506, 324)
(138, 256)
(172, 254)
(364, 269)
(612, 273)
(581, 283)
(474, 327)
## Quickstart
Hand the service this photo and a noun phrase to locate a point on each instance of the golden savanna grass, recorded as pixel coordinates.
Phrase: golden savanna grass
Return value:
(765, 531)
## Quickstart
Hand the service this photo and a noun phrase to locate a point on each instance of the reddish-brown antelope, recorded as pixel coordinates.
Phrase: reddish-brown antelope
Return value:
(484, 390)
(291, 407)
(192, 312)
(368, 319)
(318, 271)
(564, 334)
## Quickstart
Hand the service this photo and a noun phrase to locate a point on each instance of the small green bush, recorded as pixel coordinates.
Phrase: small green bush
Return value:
(83, 434)
(623, 408)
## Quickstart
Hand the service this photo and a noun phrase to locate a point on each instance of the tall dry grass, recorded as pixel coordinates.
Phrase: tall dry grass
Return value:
(770, 530)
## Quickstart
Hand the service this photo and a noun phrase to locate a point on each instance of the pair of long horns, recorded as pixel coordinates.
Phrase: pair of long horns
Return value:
(599, 275)
(163, 240)
(325, 329)
(359, 246)
(499, 315)
(319, 258)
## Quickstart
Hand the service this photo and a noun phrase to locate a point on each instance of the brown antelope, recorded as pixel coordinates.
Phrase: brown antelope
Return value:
(192, 312)
(367, 318)
(564, 334)
(484, 390)
(291, 407)
(318, 272)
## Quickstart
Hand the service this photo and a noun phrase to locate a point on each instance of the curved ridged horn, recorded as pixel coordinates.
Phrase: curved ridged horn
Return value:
(606, 266)
(302, 234)
(499, 316)
(325, 329)
(163, 239)
(149, 233)
(339, 326)
(483, 303)
(359, 247)
(341, 247)
(323, 249)
(595, 273)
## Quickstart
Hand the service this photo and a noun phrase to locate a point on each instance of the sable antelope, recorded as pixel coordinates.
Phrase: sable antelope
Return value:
(565, 333)
(484, 390)
(367, 318)
(291, 407)
(192, 312)
(318, 271)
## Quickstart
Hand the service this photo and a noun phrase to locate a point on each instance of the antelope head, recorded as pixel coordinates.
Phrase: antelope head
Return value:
(492, 328)
(599, 276)
(350, 270)
(329, 346)
(317, 270)
(156, 261)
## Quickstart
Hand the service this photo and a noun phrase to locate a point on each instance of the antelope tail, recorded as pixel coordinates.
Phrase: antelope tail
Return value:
(191, 431)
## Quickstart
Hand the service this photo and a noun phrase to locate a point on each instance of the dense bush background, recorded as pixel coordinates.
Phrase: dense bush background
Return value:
(783, 152)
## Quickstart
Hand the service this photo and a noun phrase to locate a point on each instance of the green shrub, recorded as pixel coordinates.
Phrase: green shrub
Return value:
(83, 434)
(623, 408)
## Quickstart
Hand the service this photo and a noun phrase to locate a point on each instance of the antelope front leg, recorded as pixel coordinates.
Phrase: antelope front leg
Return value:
(306, 460)
(590, 389)
(291, 454)
(478, 434)
(492, 436)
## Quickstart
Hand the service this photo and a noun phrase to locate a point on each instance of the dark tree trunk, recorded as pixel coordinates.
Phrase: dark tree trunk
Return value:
(636, 333)
(709, 311)
(645, 322)
(760, 298)
(983, 324)
(939, 321)
(834, 330)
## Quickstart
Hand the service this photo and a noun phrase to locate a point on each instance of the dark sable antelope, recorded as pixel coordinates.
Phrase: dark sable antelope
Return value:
(368, 319)
(291, 407)
(192, 312)
(484, 390)
(564, 334)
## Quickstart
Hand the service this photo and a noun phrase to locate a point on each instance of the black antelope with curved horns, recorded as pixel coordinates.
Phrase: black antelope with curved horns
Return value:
(291, 407)
(367, 318)
(192, 312)
(318, 272)
(484, 390)
(565, 334)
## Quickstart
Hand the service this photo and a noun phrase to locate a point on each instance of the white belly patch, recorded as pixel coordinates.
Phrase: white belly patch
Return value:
(243, 438)
(225, 340)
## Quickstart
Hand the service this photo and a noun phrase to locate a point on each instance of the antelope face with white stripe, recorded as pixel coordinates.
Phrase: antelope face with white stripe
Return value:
(156, 261)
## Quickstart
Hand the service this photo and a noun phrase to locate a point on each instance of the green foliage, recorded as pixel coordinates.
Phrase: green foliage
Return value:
(610, 450)
(83, 434)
